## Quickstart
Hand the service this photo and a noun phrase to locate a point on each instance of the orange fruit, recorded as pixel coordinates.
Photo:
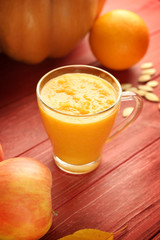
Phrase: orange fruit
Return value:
(119, 39)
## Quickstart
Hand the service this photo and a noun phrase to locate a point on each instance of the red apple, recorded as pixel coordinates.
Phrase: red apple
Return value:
(25, 199)
(1, 153)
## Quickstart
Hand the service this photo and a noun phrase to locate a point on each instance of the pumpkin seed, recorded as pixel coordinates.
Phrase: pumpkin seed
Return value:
(153, 83)
(133, 89)
(146, 65)
(127, 111)
(125, 86)
(145, 88)
(152, 97)
(150, 71)
(144, 78)
(141, 92)
(136, 91)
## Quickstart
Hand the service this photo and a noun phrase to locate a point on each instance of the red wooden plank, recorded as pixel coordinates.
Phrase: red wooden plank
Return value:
(129, 195)
(19, 126)
(156, 237)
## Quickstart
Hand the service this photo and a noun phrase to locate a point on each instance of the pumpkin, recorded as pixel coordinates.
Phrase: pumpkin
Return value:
(32, 30)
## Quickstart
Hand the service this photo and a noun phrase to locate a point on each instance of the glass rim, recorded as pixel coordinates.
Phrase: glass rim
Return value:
(78, 66)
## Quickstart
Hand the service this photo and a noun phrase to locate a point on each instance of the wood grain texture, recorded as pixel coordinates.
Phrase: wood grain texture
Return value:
(125, 189)
(117, 199)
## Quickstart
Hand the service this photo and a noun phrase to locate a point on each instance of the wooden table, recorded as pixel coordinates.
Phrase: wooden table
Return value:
(125, 189)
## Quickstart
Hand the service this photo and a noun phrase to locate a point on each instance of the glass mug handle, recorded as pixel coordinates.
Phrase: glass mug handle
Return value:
(128, 96)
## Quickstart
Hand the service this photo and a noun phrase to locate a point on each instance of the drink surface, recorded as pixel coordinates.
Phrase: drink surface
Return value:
(78, 94)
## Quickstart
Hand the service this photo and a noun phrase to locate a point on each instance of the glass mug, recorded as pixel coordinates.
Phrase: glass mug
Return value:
(78, 140)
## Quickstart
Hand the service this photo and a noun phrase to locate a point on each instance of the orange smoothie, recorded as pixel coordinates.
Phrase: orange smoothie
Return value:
(75, 116)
